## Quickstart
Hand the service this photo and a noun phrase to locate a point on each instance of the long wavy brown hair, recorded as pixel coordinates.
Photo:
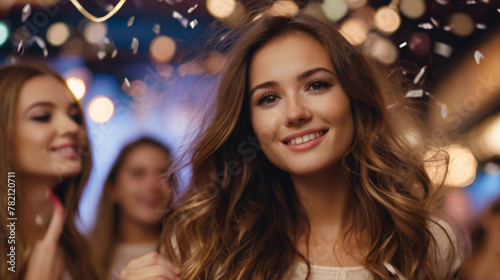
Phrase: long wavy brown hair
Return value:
(239, 215)
(105, 233)
(77, 259)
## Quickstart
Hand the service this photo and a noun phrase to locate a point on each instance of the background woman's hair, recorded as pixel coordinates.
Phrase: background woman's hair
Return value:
(239, 216)
(77, 259)
(105, 233)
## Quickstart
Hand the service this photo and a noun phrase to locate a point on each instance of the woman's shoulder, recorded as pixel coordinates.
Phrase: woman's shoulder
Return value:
(444, 252)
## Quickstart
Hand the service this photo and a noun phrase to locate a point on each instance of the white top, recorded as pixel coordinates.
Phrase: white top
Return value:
(359, 272)
(126, 252)
(319, 272)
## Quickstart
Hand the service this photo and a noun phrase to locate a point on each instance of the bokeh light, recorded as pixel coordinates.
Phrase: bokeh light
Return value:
(162, 49)
(334, 9)
(412, 9)
(94, 32)
(461, 169)
(419, 43)
(220, 9)
(286, 8)
(355, 4)
(101, 109)
(381, 49)
(58, 33)
(387, 20)
(354, 30)
(4, 32)
(77, 87)
(461, 24)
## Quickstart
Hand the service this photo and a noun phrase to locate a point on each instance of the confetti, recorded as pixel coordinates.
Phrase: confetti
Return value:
(402, 45)
(498, 10)
(19, 46)
(176, 15)
(26, 12)
(192, 8)
(443, 49)
(444, 110)
(115, 52)
(425, 25)
(135, 45)
(481, 26)
(130, 21)
(106, 40)
(184, 22)
(478, 56)
(470, 2)
(415, 93)
(419, 75)
(126, 82)
(447, 28)
(101, 55)
(435, 22)
(394, 271)
(41, 43)
(193, 23)
(156, 29)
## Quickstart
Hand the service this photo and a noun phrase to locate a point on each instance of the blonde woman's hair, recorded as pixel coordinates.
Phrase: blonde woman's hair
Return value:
(240, 215)
(77, 258)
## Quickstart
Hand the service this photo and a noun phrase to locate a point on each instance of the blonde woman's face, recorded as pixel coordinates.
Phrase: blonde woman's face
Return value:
(299, 111)
(47, 130)
(140, 189)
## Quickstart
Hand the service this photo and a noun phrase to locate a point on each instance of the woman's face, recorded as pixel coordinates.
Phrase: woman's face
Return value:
(299, 111)
(140, 189)
(47, 130)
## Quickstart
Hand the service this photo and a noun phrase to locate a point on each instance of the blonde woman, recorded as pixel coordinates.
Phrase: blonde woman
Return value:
(302, 173)
(46, 159)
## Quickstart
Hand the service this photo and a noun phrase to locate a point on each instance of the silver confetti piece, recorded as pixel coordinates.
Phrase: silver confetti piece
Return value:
(402, 45)
(419, 75)
(415, 93)
(394, 271)
(193, 23)
(478, 56)
(156, 29)
(192, 8)
(115, 52)
(26, 12)
(126, 82)
(425, 25)
(435, 22)
(481, 26)
(135, 45)
(184, 22)
(470, 2)
(106, 40)
(130, 21)
(41, 43)
(19, 46)
(101, 55)
(176, 15)
(444, 110)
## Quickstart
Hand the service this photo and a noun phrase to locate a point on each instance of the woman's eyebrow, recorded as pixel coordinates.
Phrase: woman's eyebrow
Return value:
(264, 85)
(311, 72)
(41, 103)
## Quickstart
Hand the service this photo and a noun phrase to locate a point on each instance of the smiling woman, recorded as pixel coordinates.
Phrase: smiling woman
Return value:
(332, 190)
(43, 142)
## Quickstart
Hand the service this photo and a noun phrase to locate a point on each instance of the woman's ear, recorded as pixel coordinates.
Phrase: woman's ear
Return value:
(112, 191)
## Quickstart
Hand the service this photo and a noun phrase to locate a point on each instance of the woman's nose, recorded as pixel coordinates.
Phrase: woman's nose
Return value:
(297, 111)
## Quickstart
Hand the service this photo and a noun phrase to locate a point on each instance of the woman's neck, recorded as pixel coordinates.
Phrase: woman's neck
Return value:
(34, 209)
(133, 232)
(324, 197)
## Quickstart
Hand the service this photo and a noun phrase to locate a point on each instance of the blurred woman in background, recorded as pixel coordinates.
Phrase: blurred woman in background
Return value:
(485, 261)
(44, 143)
(135, 198)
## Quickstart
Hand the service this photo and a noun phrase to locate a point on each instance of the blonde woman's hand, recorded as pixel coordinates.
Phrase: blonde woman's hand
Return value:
(150, 266)
(45, 261)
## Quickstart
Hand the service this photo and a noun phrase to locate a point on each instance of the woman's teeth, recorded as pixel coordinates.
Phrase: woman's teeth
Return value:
(305, 138)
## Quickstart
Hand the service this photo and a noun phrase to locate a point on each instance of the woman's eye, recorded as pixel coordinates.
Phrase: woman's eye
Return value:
(42, 118)
(76, 118)
(267, 98)
(317, 85)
